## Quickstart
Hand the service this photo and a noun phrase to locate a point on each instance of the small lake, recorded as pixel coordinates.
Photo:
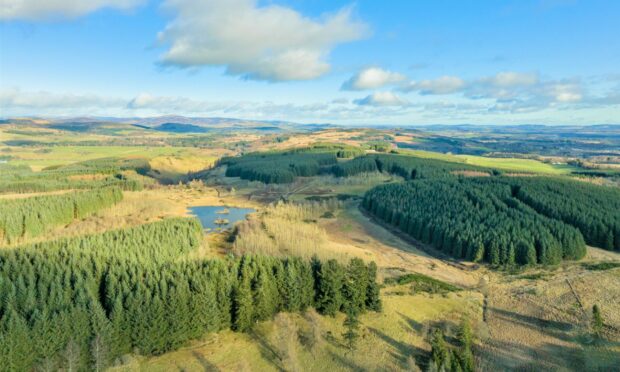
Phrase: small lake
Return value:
(213, 218)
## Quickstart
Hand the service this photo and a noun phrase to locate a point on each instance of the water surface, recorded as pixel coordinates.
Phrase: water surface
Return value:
(209, 214)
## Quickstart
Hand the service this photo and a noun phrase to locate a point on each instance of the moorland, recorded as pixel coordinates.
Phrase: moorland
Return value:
(454, 248)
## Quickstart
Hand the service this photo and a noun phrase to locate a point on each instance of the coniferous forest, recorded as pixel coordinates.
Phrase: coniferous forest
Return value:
(502, 220)
(83, 302)
(29, 217)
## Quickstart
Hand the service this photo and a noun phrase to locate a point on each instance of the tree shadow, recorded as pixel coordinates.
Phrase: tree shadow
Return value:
(346, 362)
(506, 355)
(206, 365)
(559, 330)
(413, 324)
(267, 351)
(401, 350)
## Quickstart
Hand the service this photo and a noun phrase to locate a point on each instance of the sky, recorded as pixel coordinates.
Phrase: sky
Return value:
(314, 61)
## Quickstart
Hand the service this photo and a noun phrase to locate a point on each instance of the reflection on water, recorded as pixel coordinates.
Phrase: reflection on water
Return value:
(219, 217)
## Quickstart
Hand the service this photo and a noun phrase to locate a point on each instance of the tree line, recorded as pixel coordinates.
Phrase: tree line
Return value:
(21, 179)
(593, 209)
(277, 167)
(478, 219)
(29, 217)
(408, 167)
(81, 303)
(284, 167)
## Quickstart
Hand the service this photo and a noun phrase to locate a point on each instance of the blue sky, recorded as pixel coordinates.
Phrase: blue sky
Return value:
(363, 62)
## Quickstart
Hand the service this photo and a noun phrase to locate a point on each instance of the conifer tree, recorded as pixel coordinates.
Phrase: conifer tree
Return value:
(243, 303)
(329, 284)
(440, 355)
(351, 325)
(373, 298)
(597, 321)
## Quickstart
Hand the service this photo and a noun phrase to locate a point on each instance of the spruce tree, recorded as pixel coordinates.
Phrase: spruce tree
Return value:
(440, 355)
(597, 321)
(373, 297)
(351, 325)
(329, 293)
(243, 304)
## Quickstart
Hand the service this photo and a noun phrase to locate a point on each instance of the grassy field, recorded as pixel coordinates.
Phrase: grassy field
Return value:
(505, 164)
(387, 340)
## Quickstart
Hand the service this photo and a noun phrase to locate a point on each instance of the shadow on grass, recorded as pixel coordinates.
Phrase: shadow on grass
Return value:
(346, 362)
(206, 365)
(268, 351)
(401, 350)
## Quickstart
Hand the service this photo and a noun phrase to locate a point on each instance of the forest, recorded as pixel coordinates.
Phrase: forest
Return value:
(82, 175)
(408, 167)
(80, 303)
(29, 217)
(477, 219)
(593, 209)
(279, 167)
(283, 167)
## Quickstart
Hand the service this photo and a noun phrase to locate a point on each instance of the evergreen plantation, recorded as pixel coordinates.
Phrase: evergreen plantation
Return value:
(278, 167)
(81, 303)
(502, 220)
(29, 217)
(408, 167)
(107, 172)
(283, 167)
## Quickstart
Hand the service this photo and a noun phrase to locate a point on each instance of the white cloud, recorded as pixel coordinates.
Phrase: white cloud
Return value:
(441, 85)
(44, 9)
(16, 99)
(511, 79)
(381, 99)
(270, 42)
(372, 78)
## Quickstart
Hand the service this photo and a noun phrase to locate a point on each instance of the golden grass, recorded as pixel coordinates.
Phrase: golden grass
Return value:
(387, 339)
(288, 229)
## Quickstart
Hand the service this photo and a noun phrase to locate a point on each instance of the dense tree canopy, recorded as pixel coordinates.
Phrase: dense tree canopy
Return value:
(82, 175)
(477, 219)
(280, 167)
(32, 216)
(593, 209)
(89, 300)
(408, 167)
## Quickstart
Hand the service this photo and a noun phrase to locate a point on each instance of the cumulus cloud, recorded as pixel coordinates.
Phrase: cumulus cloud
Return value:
(372, 78)
(44, 9)
(381, 99)
(270, 42)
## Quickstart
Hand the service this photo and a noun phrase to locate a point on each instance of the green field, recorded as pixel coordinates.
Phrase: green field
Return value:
(506, 164)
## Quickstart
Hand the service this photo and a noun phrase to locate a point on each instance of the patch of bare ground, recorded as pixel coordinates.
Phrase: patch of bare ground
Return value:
(513, 174)
(467, 173)
(393, 254)
(88, 177)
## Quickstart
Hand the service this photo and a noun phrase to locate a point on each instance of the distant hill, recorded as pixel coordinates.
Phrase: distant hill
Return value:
(178, 128)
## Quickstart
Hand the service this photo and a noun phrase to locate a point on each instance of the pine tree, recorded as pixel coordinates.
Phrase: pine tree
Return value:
(351, 324)
(373, 297)
(440, 355)
(597, 321)
(243, 303)
(329, 284)
(265, 294)
(465, 338)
